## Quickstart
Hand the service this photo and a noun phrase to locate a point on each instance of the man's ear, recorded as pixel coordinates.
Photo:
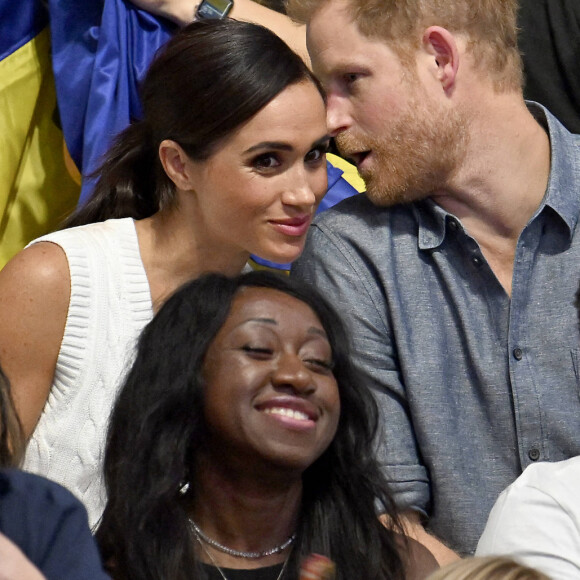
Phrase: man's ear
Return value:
(176, 164)
(441, 44)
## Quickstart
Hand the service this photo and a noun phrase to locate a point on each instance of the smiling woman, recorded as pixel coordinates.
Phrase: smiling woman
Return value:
(271, 397)
(242, 442)
(228, 161)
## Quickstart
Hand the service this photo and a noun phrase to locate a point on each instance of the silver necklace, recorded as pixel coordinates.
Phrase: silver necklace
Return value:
(237, 553)
(198, 538)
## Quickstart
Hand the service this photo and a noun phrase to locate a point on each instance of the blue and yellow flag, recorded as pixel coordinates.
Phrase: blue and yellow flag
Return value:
(36, 190)
(101, 50)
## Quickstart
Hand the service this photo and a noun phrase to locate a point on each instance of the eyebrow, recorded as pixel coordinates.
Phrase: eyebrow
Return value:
(311, 330)
(282, 146)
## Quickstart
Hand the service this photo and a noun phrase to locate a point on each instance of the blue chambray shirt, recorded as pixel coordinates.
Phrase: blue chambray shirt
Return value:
(472, 386)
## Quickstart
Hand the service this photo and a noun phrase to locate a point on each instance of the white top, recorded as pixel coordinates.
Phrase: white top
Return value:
(536, 520)
(110, 304)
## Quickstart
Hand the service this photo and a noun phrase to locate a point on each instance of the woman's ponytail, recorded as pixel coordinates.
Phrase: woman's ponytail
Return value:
(128, 180)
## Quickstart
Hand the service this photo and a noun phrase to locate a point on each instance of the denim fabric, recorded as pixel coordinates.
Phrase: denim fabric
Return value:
(472, 386)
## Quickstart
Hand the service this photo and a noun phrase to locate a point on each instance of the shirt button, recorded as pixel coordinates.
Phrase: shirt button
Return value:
(453, 224)
(477, 261)
(518, 353)
(534, 454)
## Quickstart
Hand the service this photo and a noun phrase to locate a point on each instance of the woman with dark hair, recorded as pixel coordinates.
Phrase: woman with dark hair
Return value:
(227, 161)
(242, 441)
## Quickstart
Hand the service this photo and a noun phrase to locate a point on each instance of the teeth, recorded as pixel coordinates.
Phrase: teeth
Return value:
(293, 414)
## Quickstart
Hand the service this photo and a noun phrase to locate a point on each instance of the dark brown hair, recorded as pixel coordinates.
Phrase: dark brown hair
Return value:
(11, 435)
(208, 80)
(158, 427)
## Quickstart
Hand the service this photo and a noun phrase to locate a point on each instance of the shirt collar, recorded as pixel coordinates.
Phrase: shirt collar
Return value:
(562, 193)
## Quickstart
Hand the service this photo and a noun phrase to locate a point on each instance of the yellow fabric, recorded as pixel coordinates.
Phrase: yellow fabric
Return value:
(36, 190)
(350, 172)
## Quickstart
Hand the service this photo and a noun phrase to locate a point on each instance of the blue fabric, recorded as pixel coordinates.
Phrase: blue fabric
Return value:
(473, 386)
(101, 51)
(20, 22)
(49, 525)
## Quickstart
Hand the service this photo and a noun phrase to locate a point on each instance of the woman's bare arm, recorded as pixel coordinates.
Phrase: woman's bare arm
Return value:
(182, 11)
(34, 299)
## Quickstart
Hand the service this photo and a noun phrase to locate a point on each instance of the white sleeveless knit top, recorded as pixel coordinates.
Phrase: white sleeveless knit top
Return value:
(110, 304)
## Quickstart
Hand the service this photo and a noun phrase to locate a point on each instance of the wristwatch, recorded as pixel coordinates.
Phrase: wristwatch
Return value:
(213, 9)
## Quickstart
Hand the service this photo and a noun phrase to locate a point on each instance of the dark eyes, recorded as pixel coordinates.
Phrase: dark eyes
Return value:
(273, 161)
(317, 154)
(350, 78)
(266, 161)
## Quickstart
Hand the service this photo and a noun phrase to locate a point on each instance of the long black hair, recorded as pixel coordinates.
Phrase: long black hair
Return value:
(12, 440)
(157, 428)
(208, 80)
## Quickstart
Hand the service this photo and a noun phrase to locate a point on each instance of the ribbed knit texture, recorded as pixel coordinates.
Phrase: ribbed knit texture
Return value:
(109, 306)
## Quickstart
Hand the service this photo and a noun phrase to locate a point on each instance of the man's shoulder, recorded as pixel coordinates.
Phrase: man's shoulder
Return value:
(361, 234)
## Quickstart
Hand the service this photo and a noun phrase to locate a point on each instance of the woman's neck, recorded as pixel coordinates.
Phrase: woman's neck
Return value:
(174, 251)
(247, 513)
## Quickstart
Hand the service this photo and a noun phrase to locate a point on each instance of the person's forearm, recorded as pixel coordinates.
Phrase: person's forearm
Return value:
(182, 13)
(414, 529)
(179, 11)
(14, 565)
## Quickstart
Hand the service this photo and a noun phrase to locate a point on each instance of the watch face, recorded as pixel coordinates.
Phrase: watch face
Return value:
(214, 9)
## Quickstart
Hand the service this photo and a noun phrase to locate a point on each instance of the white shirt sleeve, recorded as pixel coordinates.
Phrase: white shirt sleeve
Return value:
(537, 520)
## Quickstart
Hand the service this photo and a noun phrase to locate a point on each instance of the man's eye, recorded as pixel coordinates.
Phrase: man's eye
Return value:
(350, 78)
(266, 161)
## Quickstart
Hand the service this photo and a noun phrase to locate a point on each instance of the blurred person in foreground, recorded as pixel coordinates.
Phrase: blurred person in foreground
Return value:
(491, 568)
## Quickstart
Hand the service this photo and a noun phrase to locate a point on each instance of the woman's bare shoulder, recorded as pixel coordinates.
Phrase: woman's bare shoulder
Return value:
(34, 299)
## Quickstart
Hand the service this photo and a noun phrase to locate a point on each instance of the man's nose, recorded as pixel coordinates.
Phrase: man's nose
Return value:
(337, 117)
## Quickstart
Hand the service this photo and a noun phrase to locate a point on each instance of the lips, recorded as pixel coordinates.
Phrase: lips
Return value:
(296, 226)
(358, 158)
(293, 408)
(284, 412)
